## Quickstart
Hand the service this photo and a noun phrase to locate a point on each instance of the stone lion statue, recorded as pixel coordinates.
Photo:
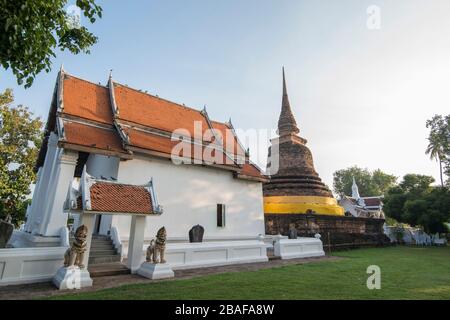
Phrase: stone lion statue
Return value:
(75, 254)
(155, 251)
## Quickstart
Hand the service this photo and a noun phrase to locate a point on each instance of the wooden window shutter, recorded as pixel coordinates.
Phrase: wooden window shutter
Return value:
(220, 215)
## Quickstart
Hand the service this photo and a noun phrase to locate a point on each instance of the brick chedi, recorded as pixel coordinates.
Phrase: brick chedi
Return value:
(295, 186)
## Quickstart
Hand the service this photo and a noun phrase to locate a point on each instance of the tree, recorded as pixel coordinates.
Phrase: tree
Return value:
(416, 184)
(20, 140)
(393, 203)
(415, 202)
(32, 30)
(369, 183)
(439, 142)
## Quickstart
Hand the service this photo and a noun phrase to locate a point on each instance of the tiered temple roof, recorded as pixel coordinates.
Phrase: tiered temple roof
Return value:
(120, 121)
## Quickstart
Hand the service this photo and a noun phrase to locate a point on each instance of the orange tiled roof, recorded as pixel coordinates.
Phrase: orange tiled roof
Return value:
(153, 112)
(249, 169)
(230, 141)
(165, 145)
(115, 197)
(86, 100)
(87, 113)
(93, 137)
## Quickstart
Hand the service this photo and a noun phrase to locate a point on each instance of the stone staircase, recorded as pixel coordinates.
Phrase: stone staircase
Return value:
(108, 269)
(104, 260)
(102, 250)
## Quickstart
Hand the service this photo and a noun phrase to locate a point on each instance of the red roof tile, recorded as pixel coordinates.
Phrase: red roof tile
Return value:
(93, 137)
(372, 202)
(165, 145)
(230, 141)
(150, 111)
(83, 100)
(115, 197)
(249, 169)
(86, 100)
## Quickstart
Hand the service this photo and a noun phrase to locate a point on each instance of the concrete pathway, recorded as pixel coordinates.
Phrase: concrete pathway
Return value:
(46, 289)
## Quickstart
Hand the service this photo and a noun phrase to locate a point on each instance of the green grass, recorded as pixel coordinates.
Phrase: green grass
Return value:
(406, 273)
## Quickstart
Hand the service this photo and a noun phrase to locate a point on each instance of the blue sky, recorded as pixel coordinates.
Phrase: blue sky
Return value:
(361, 97)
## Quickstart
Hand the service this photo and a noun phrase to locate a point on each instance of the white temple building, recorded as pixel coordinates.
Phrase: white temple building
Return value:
(364, 207)
(124, 164)
(124, 135)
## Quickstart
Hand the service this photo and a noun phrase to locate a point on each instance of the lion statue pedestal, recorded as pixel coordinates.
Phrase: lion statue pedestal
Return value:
(74, 275)
(155, 266)
(72, 278)
(155, 270)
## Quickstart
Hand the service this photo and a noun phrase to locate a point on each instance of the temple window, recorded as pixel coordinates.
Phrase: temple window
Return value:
(220, 215)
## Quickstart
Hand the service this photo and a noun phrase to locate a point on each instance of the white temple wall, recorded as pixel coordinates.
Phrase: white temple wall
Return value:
(98, 165)
(29, 265)
(189, 195)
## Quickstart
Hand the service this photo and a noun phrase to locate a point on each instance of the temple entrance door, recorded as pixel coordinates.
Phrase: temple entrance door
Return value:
(97, 224)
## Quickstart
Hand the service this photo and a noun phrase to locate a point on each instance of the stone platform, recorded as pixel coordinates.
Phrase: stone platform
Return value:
(337, 232)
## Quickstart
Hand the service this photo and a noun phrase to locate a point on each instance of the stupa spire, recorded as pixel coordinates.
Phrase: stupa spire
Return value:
(286, 123)
(355, 191)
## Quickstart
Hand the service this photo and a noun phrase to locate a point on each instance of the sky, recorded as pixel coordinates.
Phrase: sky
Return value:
(361, 96)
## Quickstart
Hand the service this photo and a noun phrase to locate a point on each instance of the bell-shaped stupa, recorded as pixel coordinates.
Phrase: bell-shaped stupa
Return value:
(294, 187)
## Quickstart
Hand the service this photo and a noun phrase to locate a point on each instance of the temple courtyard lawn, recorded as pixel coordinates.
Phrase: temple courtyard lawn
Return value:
(406, 273)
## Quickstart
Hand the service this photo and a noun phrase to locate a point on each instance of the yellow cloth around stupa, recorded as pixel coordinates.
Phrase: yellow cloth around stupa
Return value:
(301, 204)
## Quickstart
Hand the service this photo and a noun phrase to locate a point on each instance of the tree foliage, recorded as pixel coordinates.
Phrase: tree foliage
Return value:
(20, 140)
(369, 183)
(439, 143)
(416, 203)
(32, 30)
(416, 184)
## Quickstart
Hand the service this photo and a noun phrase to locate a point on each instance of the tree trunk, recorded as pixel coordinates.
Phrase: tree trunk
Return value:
(440, 167)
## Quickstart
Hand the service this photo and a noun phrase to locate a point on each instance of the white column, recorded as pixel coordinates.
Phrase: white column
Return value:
(38, 203)
(88, 220)
(136, 244)
(54, 217)
(34, 201)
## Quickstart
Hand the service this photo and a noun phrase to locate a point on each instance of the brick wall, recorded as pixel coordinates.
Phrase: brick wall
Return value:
(336, 232)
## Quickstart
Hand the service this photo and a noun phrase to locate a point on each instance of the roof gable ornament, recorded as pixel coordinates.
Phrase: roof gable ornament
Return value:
(115, 110)
(240, 158)
(112, 98)
(71, 199)
(217, 140)
(60, 93)
(60, 127)
(157, 208)
(86, 182)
